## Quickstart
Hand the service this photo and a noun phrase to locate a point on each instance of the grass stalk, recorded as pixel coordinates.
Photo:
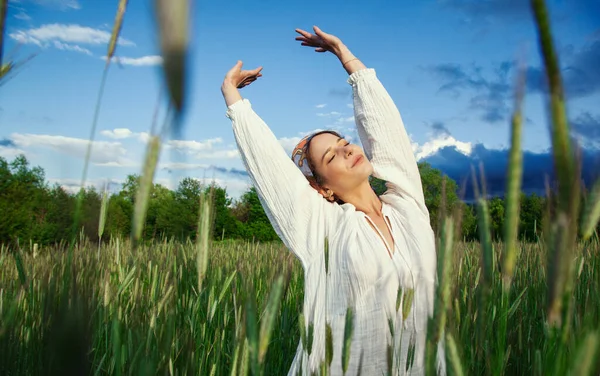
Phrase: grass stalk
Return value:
(142, 197)
(437, 324)
(591, 215)
(3, 11)
(513, 189)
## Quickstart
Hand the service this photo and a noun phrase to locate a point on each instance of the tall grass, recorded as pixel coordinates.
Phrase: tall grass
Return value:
(140, 308)
(140, 311)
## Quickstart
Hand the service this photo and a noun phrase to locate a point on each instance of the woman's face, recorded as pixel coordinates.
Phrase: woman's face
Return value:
(343, 166)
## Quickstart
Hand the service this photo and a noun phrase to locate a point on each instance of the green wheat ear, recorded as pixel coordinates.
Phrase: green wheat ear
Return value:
(142, 197)
(513, 191)
(453, 355)
(268, 318)
(348, 333)
(591, 215)
(328, 344)
(567, 170)
(112, 44)
(102, 219)
(204, 232)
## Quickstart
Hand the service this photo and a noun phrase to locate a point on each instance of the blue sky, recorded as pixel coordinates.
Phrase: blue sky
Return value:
(449, 65)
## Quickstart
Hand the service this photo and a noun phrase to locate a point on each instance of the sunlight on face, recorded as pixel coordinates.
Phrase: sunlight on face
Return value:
(342, 165)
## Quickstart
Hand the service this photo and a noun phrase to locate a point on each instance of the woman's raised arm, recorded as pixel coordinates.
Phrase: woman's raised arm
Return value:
(378, 121)
(298, 213)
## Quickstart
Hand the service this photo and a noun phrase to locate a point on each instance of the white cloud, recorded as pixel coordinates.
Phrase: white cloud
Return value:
(22, 16)
(66, 33)
(24, 38)
(122, 162)
(124, 133)
(338, 118)
(143, 137)
(289, 143)
(10, 153)
(118, 133)
(191, 146)
(219, 154)
(60, 4)
(103, 153)
(341, 120)
(149, 60)
(434, 145)
(235, 187)
(182, 166)
(349, 105)
(329, 114)
(71, 47)
(204, 149)
(321, 105)
(72, 185)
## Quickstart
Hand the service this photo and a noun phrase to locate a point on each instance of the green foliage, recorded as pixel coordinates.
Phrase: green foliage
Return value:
(433, 189)
(34, 211)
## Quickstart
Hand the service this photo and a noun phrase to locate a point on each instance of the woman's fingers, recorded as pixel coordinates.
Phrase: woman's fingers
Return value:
(247, 77)
(241, 78)
(319, 32)
(309, 42)
(304, 33)
(246, 83)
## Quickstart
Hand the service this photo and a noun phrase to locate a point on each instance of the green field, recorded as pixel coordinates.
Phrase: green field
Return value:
(141, 311)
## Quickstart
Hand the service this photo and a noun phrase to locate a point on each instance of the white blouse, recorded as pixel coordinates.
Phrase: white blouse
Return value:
(361, 274)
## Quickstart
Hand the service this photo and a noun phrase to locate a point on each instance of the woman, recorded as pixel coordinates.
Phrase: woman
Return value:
(381, 249)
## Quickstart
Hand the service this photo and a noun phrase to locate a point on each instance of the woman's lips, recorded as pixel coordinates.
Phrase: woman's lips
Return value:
(358, 159)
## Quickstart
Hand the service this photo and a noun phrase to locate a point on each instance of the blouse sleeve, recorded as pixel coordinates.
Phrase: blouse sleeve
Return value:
(384, 137)
(298, 213)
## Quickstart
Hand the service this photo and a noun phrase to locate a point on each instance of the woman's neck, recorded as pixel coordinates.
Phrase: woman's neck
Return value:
(364, 199)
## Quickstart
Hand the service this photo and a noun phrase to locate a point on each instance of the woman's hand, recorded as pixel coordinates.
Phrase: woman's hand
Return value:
(241, 78)
(321, 40)
(327, 42)
(236, 79)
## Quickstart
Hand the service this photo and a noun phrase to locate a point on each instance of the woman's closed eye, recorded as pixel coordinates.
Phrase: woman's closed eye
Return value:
(347, 143)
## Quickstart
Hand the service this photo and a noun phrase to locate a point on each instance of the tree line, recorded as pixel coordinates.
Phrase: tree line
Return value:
(35, 211)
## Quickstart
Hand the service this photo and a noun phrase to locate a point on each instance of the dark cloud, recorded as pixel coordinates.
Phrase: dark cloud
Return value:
(231, 171)
(586, 128)
(7, 143)
(580, 73)
(439, 129)
(491, 94)
(536, 168)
